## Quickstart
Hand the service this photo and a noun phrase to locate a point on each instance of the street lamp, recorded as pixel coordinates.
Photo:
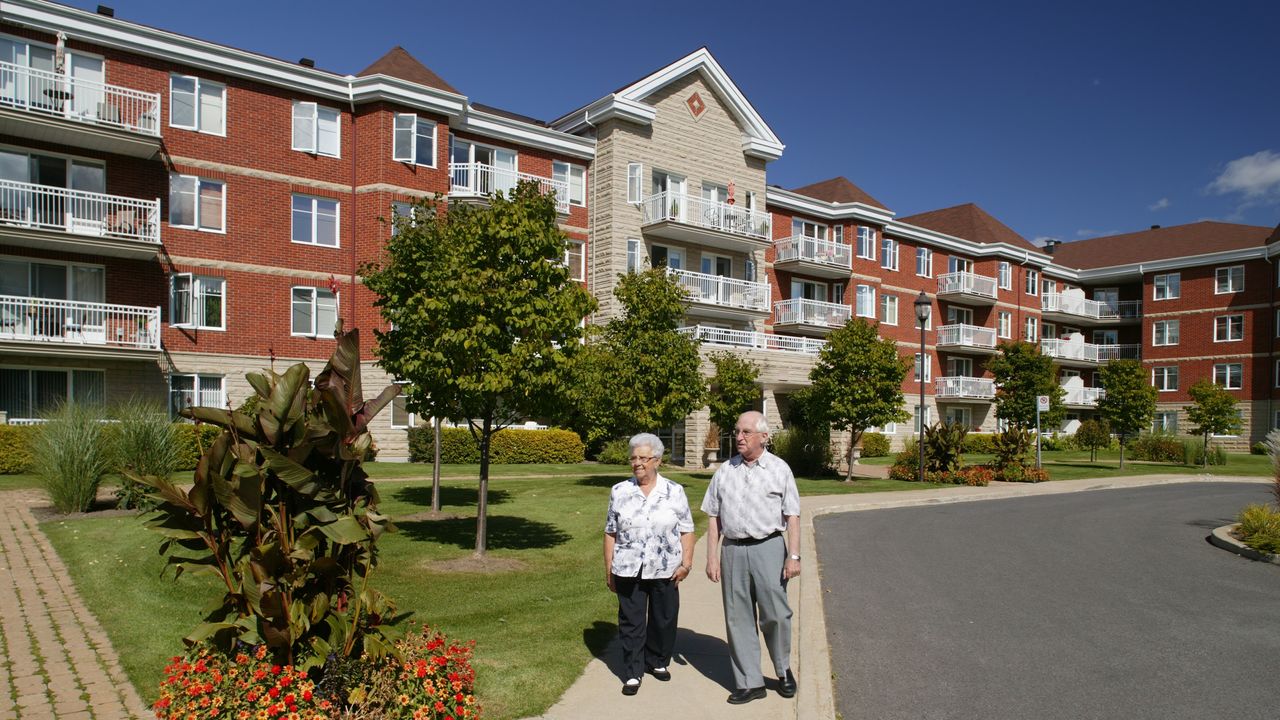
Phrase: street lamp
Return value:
(923, 307)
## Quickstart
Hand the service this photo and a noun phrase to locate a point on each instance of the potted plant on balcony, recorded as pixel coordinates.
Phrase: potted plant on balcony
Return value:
(675, 208)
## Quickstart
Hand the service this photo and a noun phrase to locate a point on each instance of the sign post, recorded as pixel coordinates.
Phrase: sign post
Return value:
(1042, 405)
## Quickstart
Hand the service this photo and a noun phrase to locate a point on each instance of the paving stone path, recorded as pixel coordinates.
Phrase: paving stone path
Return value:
(55, 659)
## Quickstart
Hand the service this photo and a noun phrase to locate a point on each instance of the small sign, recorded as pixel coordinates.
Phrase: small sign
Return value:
(1042, 403)
(696, 106)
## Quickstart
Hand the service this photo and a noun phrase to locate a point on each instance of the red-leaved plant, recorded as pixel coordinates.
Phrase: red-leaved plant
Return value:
(249, 686)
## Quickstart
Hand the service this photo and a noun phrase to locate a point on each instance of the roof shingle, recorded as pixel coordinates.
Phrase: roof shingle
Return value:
(1198, 238)
(399, 63)
(838, 190)
(972, 223)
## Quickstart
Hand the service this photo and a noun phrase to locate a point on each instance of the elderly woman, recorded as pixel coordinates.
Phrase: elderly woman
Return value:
(648, 550)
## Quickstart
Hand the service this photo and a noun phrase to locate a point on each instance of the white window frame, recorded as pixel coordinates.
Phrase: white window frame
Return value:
(1004, 324)
(866, 242)
(317, 129)
(313, 214)
(197, 288)
(927, 365)
(569, 171)
(925, 254)
(917, 412)
(635, 183)
(865, 301)
(837, 234)
(400, 400)
(1166, 286)
(1004, 276)
(888, 309)
(413, 132)
(199, 86)
(1275, 374)
(1170, 338)
(1030, 326)
(1032, 284)
(1228, 328)
(1240, 424)
(315, 294)
(634, 253)
(198, 184)
(1225, 370)
(1228, 274)
(1160, 421)
(578, 269)
(888, 253)
(201, 383)
(1161, 375)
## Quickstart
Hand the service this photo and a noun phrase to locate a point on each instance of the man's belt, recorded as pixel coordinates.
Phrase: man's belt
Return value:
(754, 541)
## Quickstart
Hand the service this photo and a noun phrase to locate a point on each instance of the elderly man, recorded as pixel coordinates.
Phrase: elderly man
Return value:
(751, 501)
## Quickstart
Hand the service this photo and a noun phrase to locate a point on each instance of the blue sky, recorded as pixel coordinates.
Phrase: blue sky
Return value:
(1064, 120)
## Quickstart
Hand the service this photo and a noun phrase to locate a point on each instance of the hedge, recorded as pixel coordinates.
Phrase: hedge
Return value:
(15, 449)
(510, 446)
(188, 447)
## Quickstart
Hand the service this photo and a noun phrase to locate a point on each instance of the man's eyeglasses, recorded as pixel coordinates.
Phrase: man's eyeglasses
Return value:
(744, 432)
(643, 458)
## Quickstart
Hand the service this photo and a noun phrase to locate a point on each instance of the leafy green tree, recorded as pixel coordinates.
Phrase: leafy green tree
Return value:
(1129, 401)
(1021, 373)
(484, 316)
(1093, 434)
(637, 373)
(858, 380)
(1213, 412)
(733, 389)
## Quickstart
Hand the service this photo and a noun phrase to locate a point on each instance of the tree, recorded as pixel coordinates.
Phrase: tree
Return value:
(858, 380)
(733, 389)
(1214, 412)
(1021, 373)
(1129, 401)
(1093, 434)
(637, 373)
(484, 316)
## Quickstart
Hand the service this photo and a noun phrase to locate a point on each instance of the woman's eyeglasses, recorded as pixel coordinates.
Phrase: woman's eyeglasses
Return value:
(643, 458)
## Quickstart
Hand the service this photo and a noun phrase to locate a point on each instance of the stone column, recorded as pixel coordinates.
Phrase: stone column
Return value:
(696, 444)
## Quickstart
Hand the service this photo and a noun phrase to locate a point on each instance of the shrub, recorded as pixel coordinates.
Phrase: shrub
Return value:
(206, 683)
(1260, 528)
(15, 449)
(614, 452)
(1193, 453)
(1050, 443)
(874, 445)
(1093, 435)
(1022, 473)
(433, 678)
(1010, 447)
(145, 443)
(71, 455)
(980, 443)
(1156, 448)
(1259, 448)
(808, 452)
(973, 476)
(944, 446)
(192, 439)
(512, 446)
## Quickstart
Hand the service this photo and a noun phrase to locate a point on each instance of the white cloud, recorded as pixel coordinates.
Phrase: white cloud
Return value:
(1043, 240)
(1085, 232)
(1160, 204)
(1256, 176)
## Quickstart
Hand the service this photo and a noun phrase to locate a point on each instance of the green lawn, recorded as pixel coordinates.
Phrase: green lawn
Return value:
(1075, 464)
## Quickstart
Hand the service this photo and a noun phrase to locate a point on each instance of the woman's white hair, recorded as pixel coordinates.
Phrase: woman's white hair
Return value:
(647, 440)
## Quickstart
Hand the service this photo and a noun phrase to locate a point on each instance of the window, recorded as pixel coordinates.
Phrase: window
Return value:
(1165, 332)
(959, 265)
(957, 414)
(635, 183)
(30, 393)
(575, 179)
(1048, 287)
(925, 362)
(1229, 375)
(867, 243)
(1033, 282)
(889, 253)
(924, 262)
(316, 129)
(1029, 329)
(889, 309)
(959, 367)
(959, 316)
(838, 234)
(401, 213)
(196, 301)
(197, 203)
(928, 416)
(1238, 426)
(189, 390)
(1276, 374)
(808, 229)
(866, 300)
(1228, 328)
(575, 260)
(1165, 379)
(1004, 276)
(1167, 286)
(1004, 324)
(315, 312)
(1228, 279)
(414, 140)
(1165, 421)
(196, 104)
(315, 221)
(633, 255)
(400, 415)
(660, 255)
(1106, 337)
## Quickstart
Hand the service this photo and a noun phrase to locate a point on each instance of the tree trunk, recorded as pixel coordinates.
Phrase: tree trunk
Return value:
(435, 470)
(1121, 453)
(482, 504)
(848, 473)
(1204, 452)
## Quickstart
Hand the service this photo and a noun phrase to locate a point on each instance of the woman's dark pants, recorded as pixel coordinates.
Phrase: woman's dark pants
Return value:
(647, 615)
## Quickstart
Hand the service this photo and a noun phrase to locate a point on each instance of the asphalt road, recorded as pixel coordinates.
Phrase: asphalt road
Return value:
(1101, 604)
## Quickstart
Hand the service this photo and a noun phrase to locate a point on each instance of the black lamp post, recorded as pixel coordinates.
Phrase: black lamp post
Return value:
(923, 307)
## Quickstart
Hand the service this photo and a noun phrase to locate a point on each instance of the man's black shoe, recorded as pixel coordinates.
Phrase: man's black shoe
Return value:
(787, 685)
(662, 673)
(738, 697)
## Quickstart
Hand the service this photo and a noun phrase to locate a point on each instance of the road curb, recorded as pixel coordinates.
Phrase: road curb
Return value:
(1221, 537)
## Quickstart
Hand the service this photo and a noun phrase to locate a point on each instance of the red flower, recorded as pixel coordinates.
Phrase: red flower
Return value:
(274, 693)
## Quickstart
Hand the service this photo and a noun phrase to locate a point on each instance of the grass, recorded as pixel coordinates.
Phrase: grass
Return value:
(1075, 464)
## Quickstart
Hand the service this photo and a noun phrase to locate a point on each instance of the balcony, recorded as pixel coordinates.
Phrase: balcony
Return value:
(722, 297)
(964, 389)
(41, 326)
(967, 288)
(63, 110)
(477, 181)
(78, 221)
(746, 339)
(709, 223)
(1083, 354)
(810, 317)
(1072, 308)
(813, 257)
(1083, 397)
(967, 338)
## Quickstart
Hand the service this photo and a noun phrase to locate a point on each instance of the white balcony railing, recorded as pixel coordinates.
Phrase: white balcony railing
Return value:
(1092, 309)
(723, 291)
(967, 283)
(1119, 352)
(1087, 352)
(964, 387)
(710, 214)
(811, 312)
(79, 212)
(967, 336)
(59, 95)
(71, 322)
(722, 337)
(1083, 396)
(480, 180)
(822, 252)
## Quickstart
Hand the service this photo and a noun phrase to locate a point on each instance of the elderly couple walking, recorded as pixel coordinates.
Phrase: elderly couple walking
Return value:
(753, 549)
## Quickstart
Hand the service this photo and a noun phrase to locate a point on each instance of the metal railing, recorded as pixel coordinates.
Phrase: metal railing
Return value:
(72, 322)
(811, 312)
(1094, 309)
(1119, 352)
(1088, 352)
(79, 212)
(754, 340)
(967, 335)
(480, 180)
(964, 387)
(1083, 396)
(967, 283)
(60, 95)
(723, 291)
(822, 252)
(710, 214)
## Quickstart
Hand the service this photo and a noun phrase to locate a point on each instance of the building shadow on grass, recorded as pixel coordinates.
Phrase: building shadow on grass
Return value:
(705, 654)
(601, 481)
(449, 496)
(505, 532)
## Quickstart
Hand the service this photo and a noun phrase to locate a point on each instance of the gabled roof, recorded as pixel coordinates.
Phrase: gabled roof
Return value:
(971, 223)
(1160, 243)
(398, 63)
(628, 104)
(838, 190)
